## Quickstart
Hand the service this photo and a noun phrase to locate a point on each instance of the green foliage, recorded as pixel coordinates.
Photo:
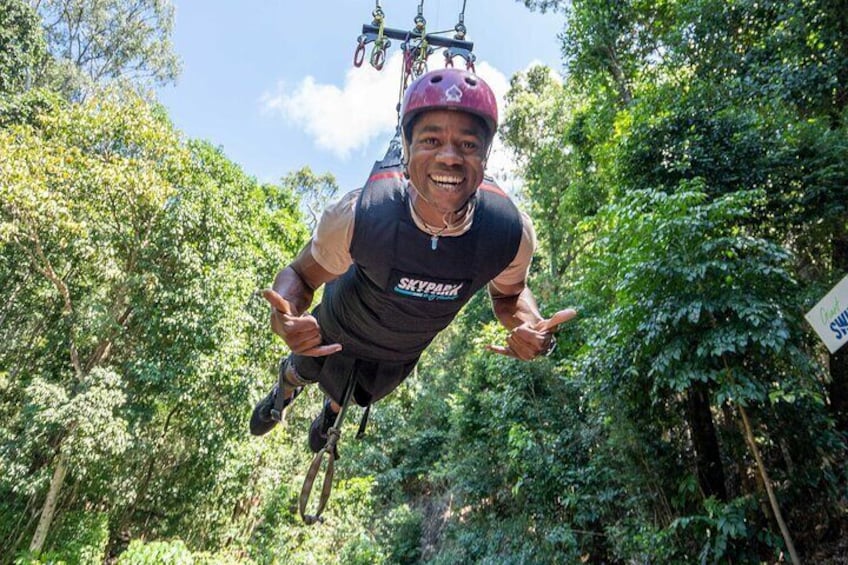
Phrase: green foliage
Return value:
(687, 180)
(677, 267)
(25, 108)
(313, 191)
(176, 552)
(347, 535)
(22, 46)
(697, 191)
(140, 256)
(728, 532)
(401, 532)
(80, 537)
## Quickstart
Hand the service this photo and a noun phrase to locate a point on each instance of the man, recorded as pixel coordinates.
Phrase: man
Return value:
(401, 256)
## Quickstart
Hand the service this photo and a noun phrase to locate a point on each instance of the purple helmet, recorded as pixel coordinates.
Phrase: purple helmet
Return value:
(454, 89)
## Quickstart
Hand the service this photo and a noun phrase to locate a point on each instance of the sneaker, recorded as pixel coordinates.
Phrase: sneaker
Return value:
(265, 416)
(319, 428)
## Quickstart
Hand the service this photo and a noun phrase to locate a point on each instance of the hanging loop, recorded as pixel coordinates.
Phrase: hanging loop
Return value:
(329, 449)
(381, 43)
(419, 66)
(378, 58)
(333, 435)
(359, 54)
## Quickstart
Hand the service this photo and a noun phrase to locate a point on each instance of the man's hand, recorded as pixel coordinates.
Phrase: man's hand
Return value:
(301, 333)
(528, 341)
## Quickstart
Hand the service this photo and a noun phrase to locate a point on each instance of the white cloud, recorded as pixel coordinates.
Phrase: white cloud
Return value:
(341, 120)
(344, 120)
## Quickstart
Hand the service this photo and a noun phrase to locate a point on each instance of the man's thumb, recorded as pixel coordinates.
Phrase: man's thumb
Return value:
(277, 302)
(560, 317)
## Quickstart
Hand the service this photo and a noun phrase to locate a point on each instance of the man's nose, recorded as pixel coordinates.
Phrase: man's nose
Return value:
(449, 154)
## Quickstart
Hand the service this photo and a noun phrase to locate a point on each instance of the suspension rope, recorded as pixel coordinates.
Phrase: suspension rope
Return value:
(460, 24)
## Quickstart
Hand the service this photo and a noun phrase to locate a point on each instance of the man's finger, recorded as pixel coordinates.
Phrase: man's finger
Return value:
(501, 350)
(560, 317)
(277, 302)
(322, 350)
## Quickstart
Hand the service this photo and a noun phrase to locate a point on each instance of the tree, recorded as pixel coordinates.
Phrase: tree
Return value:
(94, 41)
(22, 46)
(709, 103)
(79, 212)
(132, 331)
(314, 192)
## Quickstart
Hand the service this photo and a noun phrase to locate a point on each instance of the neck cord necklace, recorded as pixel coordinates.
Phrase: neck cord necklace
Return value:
(434, 235)
(434, 232)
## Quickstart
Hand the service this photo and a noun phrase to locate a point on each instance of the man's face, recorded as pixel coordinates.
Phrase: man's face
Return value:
(447, 153)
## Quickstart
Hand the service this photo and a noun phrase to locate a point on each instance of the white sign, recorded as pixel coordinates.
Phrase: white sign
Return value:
(830, 317)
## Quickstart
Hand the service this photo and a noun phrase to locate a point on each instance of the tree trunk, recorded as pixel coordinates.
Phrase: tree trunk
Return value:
(775, 507)
(49, 508)
(705, 441)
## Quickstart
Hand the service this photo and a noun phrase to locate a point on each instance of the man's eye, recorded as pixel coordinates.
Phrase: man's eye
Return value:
(428, 141)
(469, 145)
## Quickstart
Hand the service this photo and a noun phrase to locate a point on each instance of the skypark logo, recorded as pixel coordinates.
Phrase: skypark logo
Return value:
(428, 290)
(839, 325)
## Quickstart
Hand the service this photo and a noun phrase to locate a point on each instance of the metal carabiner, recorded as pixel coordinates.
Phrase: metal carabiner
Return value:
(359, 54)
(419, 67)
(378, 57)
(381, 43)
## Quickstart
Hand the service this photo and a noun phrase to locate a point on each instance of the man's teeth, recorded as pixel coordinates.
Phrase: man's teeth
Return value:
(446, 179)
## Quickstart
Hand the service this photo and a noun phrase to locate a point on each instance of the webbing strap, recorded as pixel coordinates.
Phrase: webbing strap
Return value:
(360, 433)
(280, 397)
(284, 382)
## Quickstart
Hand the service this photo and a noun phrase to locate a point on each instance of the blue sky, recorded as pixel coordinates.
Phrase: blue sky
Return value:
(272, 82)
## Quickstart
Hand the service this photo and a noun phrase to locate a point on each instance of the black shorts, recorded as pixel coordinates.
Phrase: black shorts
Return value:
(374, 379)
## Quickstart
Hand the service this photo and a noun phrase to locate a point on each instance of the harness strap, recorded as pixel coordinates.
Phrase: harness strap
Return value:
(360, 433)
(286, 380)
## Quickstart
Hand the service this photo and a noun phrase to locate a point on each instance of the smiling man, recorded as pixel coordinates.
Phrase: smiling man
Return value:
(401, 256)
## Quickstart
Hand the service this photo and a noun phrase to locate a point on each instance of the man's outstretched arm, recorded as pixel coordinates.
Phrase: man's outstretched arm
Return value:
(530, 334)
(292, 294)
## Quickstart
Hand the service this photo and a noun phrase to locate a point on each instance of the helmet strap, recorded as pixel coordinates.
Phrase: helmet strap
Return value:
(404, 160)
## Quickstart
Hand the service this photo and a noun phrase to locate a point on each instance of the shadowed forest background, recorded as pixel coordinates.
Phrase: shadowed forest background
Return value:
(688, 179)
